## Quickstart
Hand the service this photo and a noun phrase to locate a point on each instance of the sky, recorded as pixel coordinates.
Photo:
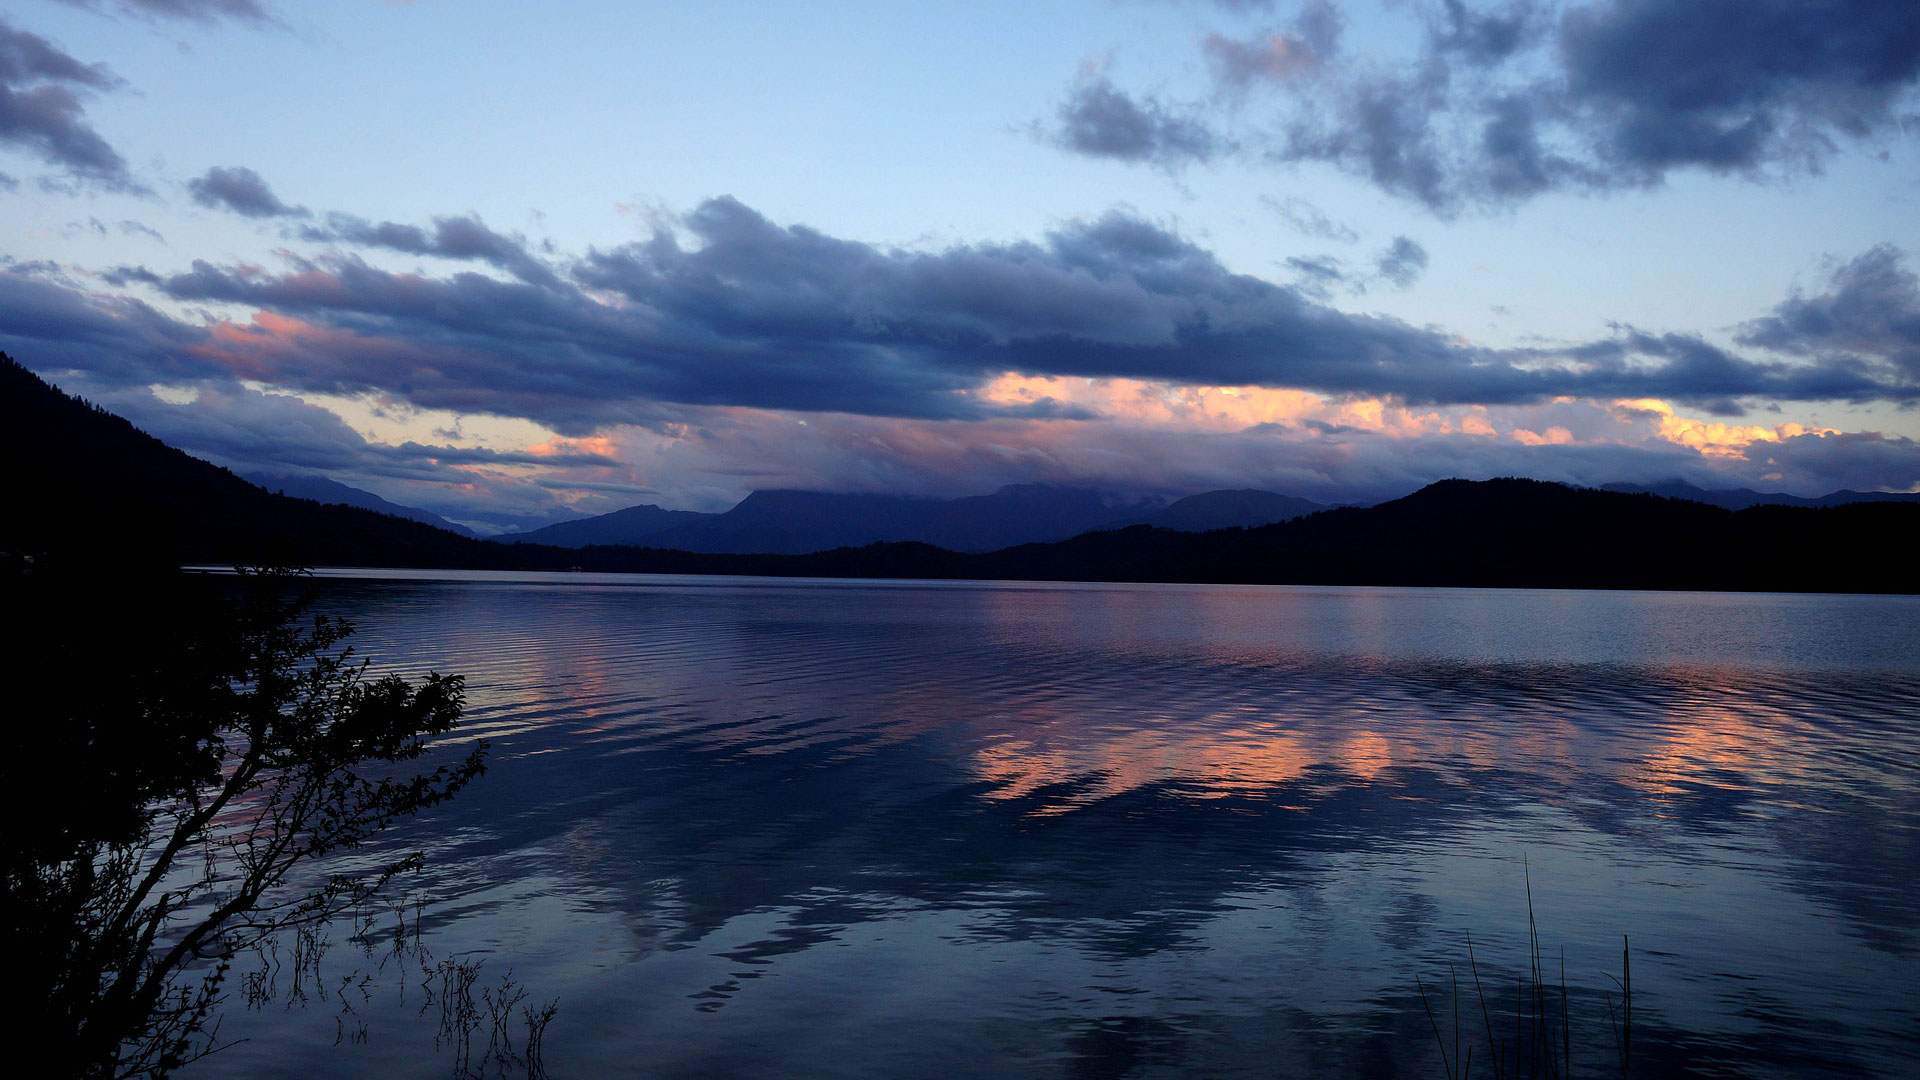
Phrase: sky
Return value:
(515, 263)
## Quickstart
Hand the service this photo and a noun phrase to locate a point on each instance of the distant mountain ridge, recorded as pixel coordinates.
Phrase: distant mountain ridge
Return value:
(323, 490)
(1741, 498)
(784, 522)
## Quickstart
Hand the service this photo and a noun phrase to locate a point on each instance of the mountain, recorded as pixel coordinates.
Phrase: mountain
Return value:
(1244, 508)
(88, 485)
(1741, 498)
(634, 525)
(795, 522)
(323, 490)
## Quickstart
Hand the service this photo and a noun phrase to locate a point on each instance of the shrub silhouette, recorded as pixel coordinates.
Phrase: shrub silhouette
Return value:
(207, 745)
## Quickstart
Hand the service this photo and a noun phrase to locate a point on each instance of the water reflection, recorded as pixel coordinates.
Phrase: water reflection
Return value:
(822, 829)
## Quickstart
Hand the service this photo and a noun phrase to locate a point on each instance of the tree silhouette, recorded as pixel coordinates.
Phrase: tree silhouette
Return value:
(210, 744)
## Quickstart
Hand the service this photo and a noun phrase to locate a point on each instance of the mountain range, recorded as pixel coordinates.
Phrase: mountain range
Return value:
(89, 486)
(796, 522)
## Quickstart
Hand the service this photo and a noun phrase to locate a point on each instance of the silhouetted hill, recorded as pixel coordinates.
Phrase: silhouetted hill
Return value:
(1522, 533)
(323, 490)
(87, 483)
(1741, 498)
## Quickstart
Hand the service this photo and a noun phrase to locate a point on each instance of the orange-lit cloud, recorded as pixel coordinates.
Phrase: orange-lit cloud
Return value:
(1223, 408)
(1712, 438)
(1555, 436)
(593, 444)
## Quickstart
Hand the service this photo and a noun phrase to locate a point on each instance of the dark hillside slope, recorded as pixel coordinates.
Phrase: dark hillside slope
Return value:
(88, 482)
(1518, 533)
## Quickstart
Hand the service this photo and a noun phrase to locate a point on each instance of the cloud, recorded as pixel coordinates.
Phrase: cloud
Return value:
(41, 110)
(1279, 56)
(727, 308)
(1099, 120)
(241, 190)
(1383, 129)
(250, 431)
(1497, 105)
(1486, 37)
(1399, 265)
(1871, 312)
(458, 238)
(1307, 219)
(1402, 263)
(204, 11)
(1275, 56)
(129, 227)
(1331, 450)
(1729, 85)
(49, 322)
(1317, 275)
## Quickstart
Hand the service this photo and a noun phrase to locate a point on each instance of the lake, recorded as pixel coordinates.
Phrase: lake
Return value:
(795, 828)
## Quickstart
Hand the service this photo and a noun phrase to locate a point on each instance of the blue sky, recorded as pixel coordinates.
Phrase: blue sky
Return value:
(511, 261)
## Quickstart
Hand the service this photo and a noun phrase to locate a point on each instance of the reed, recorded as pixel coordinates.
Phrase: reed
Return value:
(1541, 1047)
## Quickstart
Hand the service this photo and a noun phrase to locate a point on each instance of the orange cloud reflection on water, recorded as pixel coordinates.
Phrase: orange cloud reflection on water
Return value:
(1204, 761)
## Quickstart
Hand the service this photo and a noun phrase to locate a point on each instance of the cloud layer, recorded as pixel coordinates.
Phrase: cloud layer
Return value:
(730, 308)
(1503, 103)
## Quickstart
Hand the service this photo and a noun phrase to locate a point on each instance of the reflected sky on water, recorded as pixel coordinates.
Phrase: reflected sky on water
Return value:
(797, 828)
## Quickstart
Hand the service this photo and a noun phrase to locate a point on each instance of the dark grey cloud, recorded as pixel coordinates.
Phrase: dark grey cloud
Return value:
(1402, 263)
(1099, 120)
(204, 11)
(1383, 129)
(8, 183)
(1735, 84)
(1506, 102)
(459, 238)
(50, 321)
(1486, 36)
(1317, 275)
(731, 309)
(121, 276)
(1870, 311)
(241, 190)
(1860, 461)
(41, 111)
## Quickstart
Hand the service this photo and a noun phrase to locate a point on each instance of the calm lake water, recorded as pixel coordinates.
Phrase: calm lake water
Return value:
(746, 827)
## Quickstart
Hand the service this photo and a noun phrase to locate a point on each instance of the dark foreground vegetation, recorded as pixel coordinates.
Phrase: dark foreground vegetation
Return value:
(1532, 1039)
(100, 485)
(210, 743)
